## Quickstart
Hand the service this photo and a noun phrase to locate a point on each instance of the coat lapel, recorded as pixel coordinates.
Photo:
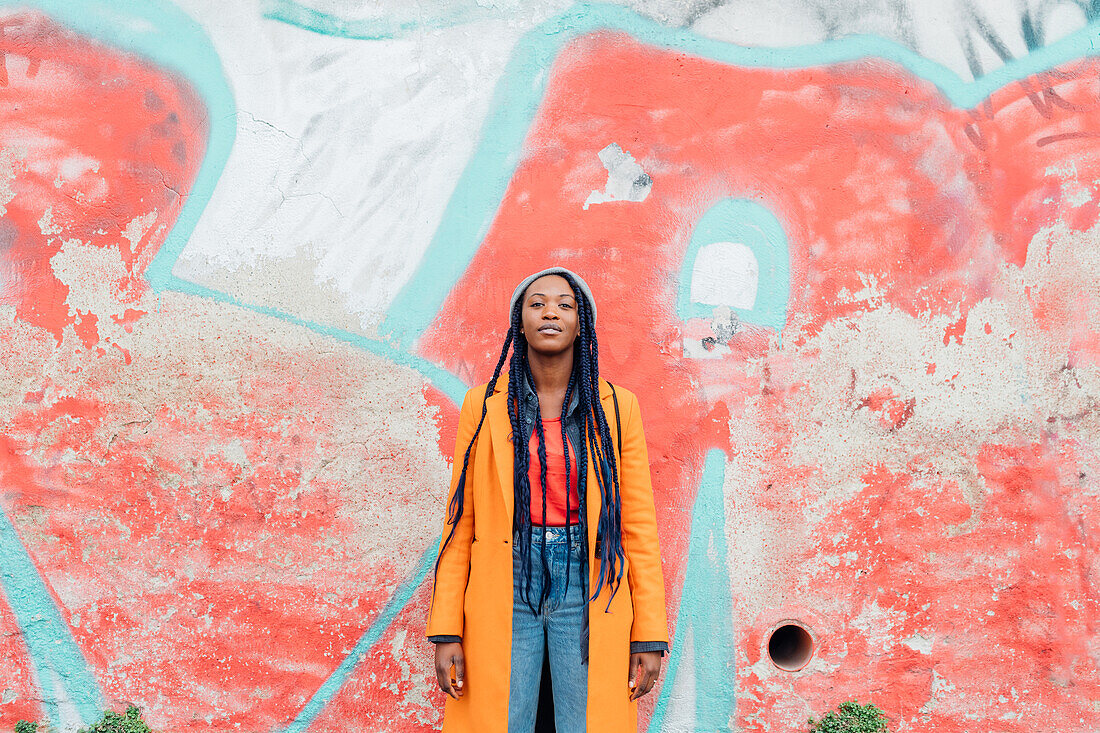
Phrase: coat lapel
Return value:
(592, 490)
(500, 428)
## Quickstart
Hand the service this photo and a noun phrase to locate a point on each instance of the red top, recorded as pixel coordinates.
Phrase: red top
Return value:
(555, 478)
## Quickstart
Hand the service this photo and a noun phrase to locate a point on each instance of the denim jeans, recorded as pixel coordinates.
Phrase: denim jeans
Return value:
(556, 627)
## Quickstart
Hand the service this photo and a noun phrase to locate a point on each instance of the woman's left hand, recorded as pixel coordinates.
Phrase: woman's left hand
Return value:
(645, 667)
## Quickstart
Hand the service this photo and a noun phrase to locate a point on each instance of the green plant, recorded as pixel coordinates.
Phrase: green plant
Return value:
(25, 726)
(851, 717)
(128, 722)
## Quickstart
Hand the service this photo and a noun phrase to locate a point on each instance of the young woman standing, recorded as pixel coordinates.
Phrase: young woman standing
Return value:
(550, 539)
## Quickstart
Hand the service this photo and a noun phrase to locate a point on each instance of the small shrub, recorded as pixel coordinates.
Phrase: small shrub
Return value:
(851, 717)
(128, 722)
(25, 726)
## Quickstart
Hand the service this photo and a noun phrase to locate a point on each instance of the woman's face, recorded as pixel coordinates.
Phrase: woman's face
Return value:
(549, 315)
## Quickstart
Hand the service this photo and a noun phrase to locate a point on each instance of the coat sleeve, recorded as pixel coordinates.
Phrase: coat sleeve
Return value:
(445, 615)
(639, 528)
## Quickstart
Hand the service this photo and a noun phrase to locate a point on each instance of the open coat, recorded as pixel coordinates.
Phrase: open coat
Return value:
(472, 597)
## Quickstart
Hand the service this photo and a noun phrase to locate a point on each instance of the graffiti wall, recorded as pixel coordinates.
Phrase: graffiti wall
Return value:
(846, 254)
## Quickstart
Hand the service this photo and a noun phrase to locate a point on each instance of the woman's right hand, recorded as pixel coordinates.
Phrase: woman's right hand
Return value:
(448, 654)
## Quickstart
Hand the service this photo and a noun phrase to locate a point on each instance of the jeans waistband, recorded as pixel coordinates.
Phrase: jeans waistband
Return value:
(552, 535)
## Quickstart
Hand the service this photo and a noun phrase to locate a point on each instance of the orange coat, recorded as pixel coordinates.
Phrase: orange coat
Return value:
(472, 597)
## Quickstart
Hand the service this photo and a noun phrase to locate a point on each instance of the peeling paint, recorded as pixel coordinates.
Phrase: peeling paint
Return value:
(626, 180)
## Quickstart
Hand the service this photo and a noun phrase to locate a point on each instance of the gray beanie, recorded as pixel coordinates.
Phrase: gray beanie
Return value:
(554, 271)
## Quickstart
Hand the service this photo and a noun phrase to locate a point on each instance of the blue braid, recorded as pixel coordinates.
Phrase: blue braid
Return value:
(521, 483)
(597, 433)
(547, 580)
(583, 405)
(568, 487)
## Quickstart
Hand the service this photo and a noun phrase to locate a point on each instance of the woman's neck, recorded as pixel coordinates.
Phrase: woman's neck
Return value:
(551, 373)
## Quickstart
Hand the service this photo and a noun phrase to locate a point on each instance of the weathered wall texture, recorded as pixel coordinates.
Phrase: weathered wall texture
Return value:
(847, 254)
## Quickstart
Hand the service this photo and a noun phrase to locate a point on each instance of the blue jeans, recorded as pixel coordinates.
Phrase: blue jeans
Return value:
(556, 627)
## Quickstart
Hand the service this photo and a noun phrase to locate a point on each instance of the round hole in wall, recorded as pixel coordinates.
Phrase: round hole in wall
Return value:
(790, 646)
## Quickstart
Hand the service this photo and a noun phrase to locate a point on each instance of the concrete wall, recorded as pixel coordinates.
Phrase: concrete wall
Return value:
(846, 253)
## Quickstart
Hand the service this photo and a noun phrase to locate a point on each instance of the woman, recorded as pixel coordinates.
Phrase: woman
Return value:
(550, 540)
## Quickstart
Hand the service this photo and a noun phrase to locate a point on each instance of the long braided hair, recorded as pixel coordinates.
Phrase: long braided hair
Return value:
(595, 446)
